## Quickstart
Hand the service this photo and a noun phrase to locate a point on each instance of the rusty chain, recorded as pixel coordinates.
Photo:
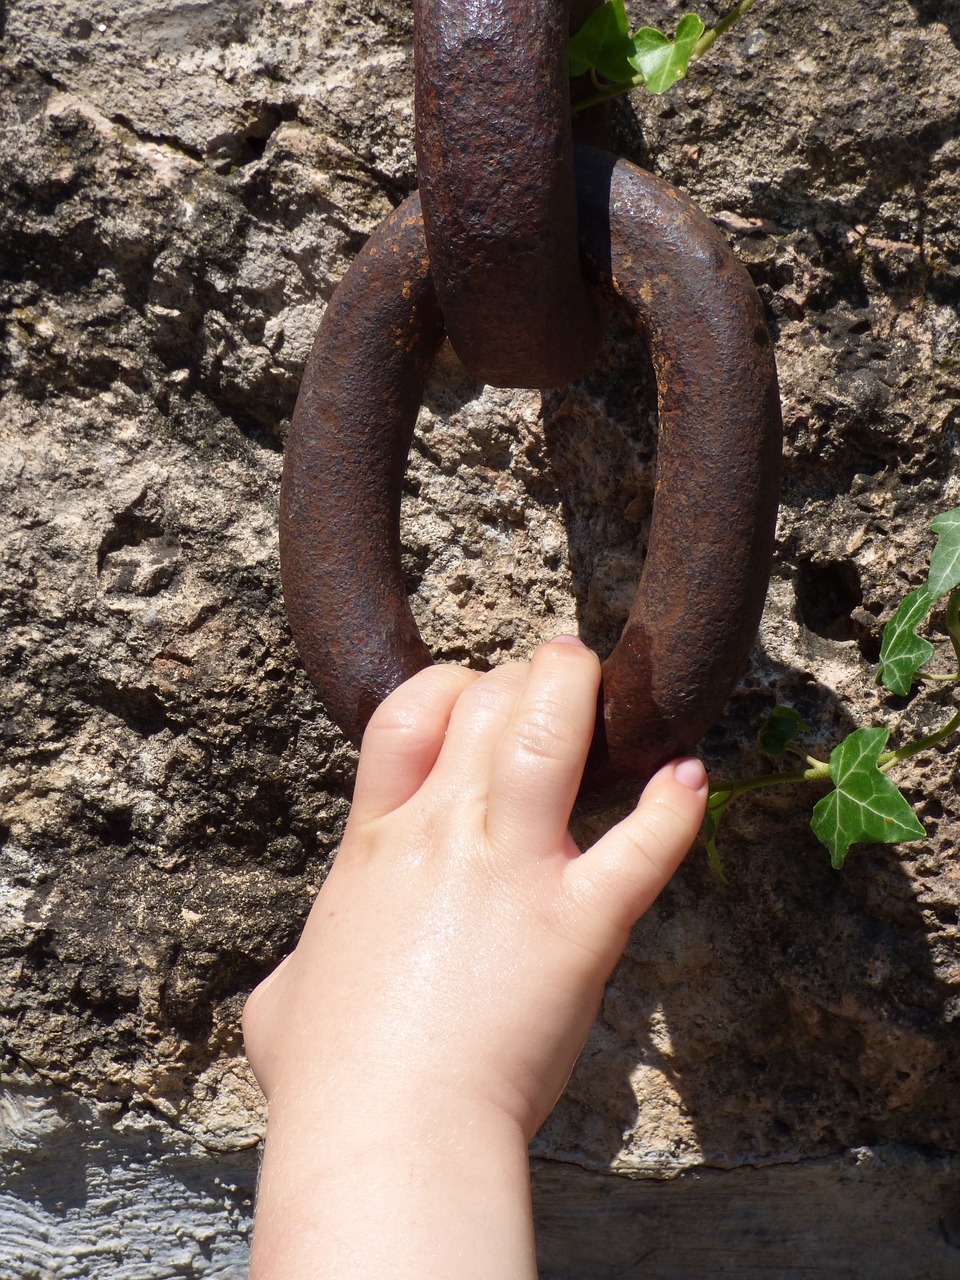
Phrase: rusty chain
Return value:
(495, 162)
(643, 247)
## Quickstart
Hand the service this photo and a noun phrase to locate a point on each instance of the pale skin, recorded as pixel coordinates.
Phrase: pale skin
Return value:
(447, 977)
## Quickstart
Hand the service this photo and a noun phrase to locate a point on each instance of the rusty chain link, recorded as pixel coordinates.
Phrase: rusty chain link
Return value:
(643, 247)
(495, 162)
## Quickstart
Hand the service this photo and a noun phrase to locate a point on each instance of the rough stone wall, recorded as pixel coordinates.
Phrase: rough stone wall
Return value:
(183, 185)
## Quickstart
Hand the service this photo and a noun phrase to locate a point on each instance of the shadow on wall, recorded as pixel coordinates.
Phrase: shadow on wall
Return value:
(794, 1011)
(945, 11)
(789, 1013)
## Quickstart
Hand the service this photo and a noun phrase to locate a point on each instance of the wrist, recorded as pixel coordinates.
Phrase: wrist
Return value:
(333, 1074)
(401, 1181)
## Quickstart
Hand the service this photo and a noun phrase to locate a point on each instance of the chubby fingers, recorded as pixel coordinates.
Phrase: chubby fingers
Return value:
(403, 740)
(477, 723)
(538, 762)
(615, 881)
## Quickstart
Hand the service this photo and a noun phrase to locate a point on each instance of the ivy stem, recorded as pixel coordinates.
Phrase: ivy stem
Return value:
(817, 771)
(604, 95)
(953, 623)
(804, 756)
(699, 49)
(725, 23)
(890, 758)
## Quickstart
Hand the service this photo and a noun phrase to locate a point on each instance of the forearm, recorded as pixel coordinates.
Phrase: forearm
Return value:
(393, 1187)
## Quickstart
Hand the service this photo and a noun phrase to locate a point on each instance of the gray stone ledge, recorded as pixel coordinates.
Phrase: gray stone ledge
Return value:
(81, 1197)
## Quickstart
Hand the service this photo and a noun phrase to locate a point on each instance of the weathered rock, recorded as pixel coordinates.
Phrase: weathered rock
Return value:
(183, 186)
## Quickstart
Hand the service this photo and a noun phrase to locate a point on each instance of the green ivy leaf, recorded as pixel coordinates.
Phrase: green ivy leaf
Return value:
(603, 43)
(781, 727)
(662, 61)
(902, 651)
(865, 805)
(716, 808)
(945, 562)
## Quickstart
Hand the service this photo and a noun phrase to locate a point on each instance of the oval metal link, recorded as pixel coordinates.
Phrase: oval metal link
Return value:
(701, 592)
(495, 164)
(343, 471)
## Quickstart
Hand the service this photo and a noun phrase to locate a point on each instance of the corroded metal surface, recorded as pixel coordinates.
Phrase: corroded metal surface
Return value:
(495, 163)
(343, 471)
(705, 576)
(652, 252)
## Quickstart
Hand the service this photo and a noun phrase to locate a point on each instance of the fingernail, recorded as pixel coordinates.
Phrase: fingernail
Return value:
(567, 640)
(690, 773)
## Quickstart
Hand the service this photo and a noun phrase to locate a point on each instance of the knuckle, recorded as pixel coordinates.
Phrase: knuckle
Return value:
(400, 719)
(544, 735)
(407, 712)
(490, 690)
(649, 840)
(508, 676)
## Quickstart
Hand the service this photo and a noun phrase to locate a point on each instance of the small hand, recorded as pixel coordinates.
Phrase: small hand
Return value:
(460, 929)
(456, 955)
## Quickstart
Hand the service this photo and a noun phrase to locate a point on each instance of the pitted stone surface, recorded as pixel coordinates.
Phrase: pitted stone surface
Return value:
(183, 185)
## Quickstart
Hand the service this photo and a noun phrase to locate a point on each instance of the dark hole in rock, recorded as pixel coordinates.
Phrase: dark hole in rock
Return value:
(113, 827)
(130, 528)
(253, 149)
(234, 150)
(79, 29)
(141, 710)
(827, 595)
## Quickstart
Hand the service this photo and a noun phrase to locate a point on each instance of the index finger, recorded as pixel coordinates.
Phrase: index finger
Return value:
(403, 739)
(539, 760)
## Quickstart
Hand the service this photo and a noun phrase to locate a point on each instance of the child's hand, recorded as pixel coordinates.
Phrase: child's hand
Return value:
(455, 957)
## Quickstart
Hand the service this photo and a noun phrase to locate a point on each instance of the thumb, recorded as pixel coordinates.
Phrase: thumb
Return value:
(617, 879)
